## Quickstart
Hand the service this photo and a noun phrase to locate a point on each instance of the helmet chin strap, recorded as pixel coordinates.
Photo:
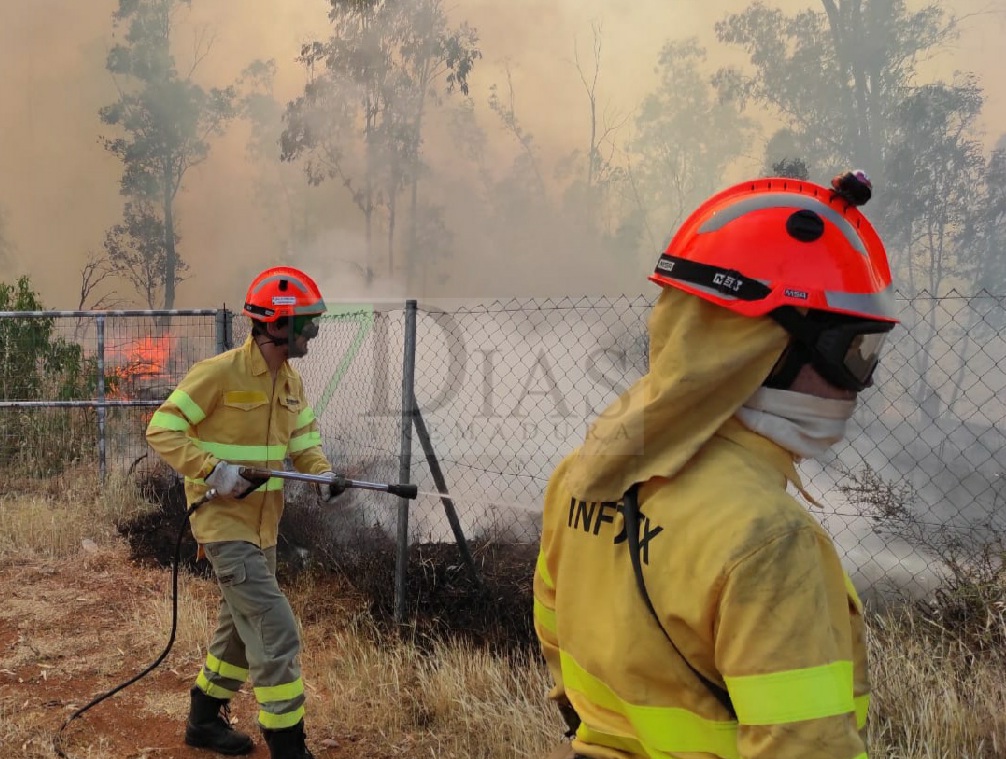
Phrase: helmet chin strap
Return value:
(279, 342)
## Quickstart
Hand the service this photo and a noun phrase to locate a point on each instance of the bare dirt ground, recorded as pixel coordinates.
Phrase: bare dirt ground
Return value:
(68, 632)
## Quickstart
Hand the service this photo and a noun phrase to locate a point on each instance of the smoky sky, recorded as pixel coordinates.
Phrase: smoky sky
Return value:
(59, 187)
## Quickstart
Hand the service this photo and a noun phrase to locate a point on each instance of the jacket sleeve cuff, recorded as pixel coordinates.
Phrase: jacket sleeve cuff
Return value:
(208, 467)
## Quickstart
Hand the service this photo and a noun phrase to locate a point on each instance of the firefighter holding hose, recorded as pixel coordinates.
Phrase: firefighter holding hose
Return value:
(246, 408)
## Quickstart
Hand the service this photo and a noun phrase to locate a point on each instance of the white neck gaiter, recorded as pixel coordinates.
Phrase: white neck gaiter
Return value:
(804, 424)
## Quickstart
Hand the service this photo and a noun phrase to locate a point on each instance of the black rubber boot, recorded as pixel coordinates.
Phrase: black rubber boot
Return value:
(208, 729)
(287, 743)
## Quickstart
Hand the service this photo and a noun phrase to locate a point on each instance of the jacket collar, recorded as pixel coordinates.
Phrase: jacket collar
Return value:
(778, 457)
(256, 361)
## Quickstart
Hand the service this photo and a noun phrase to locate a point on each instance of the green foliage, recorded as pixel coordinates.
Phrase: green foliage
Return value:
(35, 363)
(38, 364)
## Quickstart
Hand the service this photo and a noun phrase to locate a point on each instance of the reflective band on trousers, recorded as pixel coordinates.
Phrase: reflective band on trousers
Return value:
(222, 668)
(280, 706)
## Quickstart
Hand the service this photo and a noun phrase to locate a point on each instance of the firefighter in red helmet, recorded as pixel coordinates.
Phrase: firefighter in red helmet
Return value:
(729, 627)
(246, 408)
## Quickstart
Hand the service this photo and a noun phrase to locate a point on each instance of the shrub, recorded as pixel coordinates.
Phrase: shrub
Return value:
(38, 364)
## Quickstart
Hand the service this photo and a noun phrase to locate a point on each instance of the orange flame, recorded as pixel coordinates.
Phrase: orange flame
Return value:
(136, 361)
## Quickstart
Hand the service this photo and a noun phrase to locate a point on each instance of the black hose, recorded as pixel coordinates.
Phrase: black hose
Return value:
(58, 740)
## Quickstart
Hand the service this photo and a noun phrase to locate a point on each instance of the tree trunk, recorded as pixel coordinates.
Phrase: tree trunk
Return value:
(170, 254)
(392, 208)
(413, 247)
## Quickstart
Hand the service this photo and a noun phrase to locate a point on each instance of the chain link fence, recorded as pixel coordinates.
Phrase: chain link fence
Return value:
(506, 389)
(78, 387)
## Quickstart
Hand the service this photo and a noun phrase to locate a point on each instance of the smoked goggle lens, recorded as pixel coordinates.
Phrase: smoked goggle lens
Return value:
(850, 352)
(305, 326)
(863, 354)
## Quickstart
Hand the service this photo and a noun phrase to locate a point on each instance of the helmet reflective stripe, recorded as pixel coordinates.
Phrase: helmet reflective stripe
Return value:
(768, 200)
(281, 292)
(292, 280)
(879, 305)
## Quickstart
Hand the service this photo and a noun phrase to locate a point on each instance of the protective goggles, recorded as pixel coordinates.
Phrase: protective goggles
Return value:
(305, 326)
(843, 349)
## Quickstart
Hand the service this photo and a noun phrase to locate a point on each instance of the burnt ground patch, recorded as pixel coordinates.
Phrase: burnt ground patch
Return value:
(442, 599)
(152, 536)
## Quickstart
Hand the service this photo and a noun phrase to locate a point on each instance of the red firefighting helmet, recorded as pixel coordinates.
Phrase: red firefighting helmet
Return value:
(283, 291)
(782, 242)
(800, 254)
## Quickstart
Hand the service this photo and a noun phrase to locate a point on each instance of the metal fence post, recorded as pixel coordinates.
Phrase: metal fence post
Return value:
(405, 456)
(223, 330)
(100, 386)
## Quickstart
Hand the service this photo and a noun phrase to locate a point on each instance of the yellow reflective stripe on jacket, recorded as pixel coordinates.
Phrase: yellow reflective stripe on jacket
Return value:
(273, 483)
(629, 746)
(666, 729)
(167, 421)
(545, 617)
(235, 452)
(542, 568)
(862, 710)
(304, 418)
(307, 440)
(851, 590)
(222, 668)
(192, 410)
(793, 695)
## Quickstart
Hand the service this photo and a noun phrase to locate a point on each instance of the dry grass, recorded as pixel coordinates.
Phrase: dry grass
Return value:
(934, 697)
(58, 517)
(447, 701)
(370, 693)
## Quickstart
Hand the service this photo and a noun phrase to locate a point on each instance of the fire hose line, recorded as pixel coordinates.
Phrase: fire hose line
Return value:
(403, 490)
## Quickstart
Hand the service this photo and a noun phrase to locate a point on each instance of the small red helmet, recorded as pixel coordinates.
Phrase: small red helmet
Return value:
(283, 291)
(775, 242)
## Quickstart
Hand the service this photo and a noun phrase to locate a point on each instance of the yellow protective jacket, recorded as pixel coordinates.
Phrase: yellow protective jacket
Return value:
(743, 579)
(229, 407)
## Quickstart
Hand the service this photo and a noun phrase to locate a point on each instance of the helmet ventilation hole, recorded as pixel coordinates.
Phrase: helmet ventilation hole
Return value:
(805, 225)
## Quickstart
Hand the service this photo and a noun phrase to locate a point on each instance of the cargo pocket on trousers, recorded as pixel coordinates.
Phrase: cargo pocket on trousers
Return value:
(277, 629)
(231, 574)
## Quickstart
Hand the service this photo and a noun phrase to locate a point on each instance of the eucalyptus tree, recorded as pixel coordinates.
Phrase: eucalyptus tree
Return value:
(161, 126)
(360, 120)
